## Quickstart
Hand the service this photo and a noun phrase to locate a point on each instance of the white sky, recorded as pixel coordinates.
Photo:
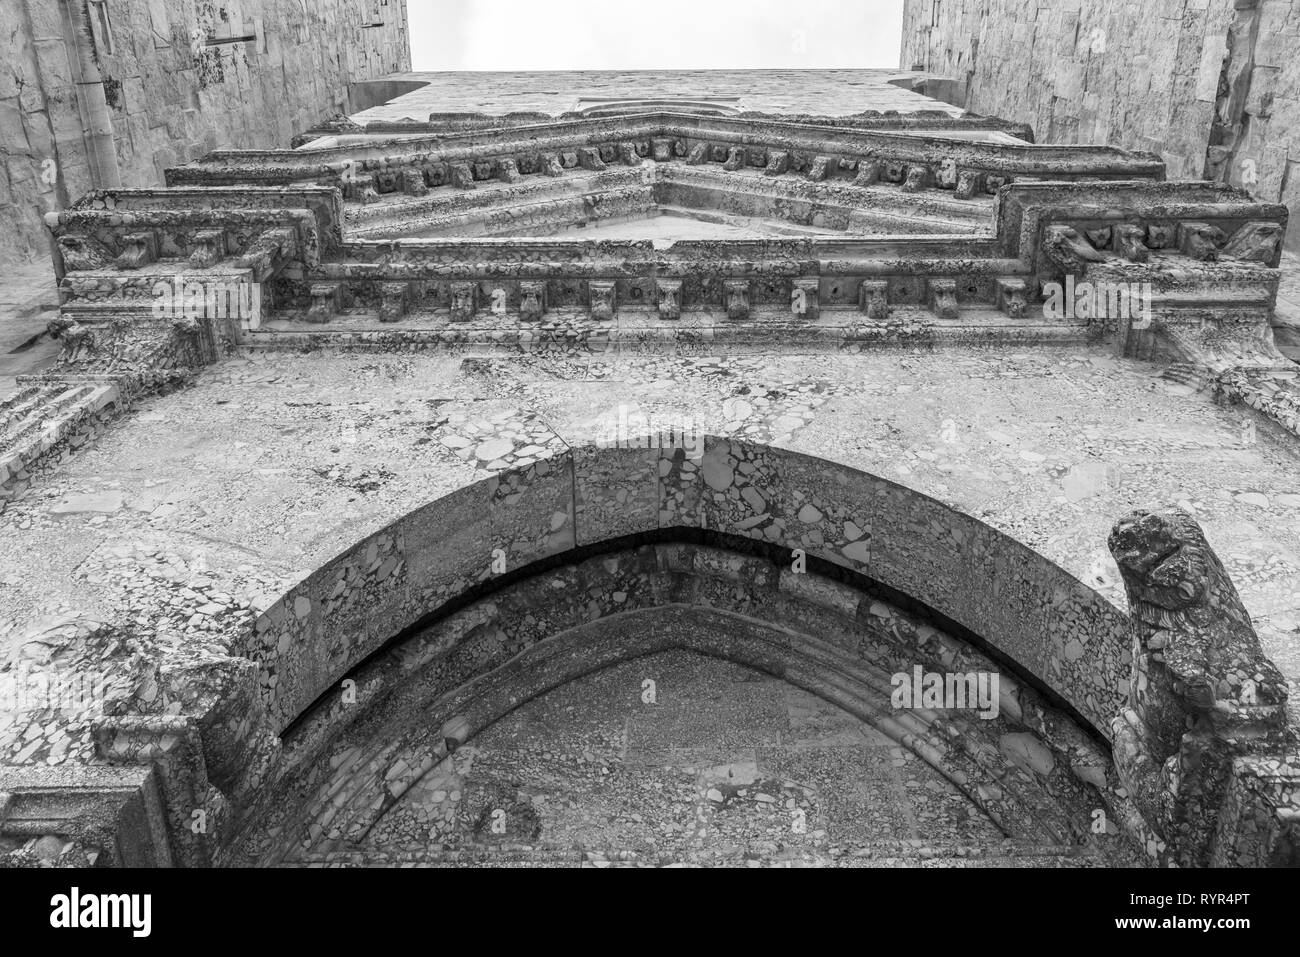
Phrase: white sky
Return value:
(653, 34)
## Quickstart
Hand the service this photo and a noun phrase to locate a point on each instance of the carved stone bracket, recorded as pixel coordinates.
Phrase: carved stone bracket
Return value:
(326, 301)
(943, 298)
(737, 296)
(138, 249)
(462, 177)
(208, 248)
(589, 159)
(1011, 297)
(1127, 239)
(551, 165)
(532, 300)
(394, 297)
(508, 171)
(464, 301)
(873, 299)
(868, 173)
(778, 162)
(918, 178)
(821, 168)
(628, 155)
(601, 296)
(969, 183)
(670, 298)
(413, 183)
(1200, 241)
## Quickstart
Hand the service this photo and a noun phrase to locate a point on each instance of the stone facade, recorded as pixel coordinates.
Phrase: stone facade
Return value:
(308, 682)
(1213, 87)
(101, 93)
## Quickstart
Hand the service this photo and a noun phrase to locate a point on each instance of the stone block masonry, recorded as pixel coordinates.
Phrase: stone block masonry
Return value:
(1212, 86)
(103, 93)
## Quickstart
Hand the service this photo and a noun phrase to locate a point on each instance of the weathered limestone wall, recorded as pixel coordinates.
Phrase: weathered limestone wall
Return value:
(96, 94)
(1212, 86)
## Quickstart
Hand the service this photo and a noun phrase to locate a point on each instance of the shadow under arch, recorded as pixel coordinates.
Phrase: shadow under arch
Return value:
(1029, 769)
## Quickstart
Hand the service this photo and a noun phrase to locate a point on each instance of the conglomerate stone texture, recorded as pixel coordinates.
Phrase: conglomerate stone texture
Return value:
(271, 464)
(1213, 87)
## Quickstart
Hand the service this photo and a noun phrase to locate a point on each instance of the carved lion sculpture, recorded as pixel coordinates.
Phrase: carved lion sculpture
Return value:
(1068, 250)
(1202, 691)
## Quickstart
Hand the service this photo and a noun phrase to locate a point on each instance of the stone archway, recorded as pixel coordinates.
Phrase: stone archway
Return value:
(352, 761)
(440, 624)
(888, 546)
(1027, 609)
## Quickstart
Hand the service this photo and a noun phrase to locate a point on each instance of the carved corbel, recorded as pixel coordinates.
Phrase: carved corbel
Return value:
(464, 301)
(1067, 250)
(778, 162)
(873, 298)
(670, 298)
(413, 183)
(508, 171)
(969, 183)
(394, 299)
(532, 300)
(601, 296)
(821, 168)
(737, 295)
(628, 155)
(82, 252)
(868, 173)
(208, 248)
(1200, 241)
(1011, 297)
(138, 249)
(1127, 240)
(918, 178)
(326, 301)
(462, 177)
(589, 158)
(943, 298)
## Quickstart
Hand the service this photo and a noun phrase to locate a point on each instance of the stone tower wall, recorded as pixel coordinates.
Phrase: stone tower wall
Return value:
(110, 92)
(1212, 86)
